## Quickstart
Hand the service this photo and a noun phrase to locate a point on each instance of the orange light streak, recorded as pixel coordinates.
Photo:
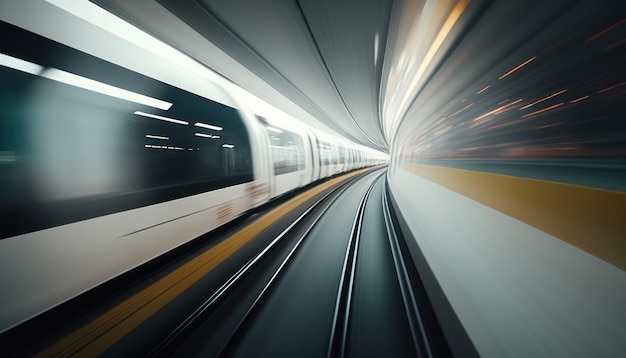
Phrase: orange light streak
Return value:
(543, 99)
(461, 110)
(551, 125)
(447, 26)
(579, 99)
(497, 110)
(610, 88)
(517, 68)
(483, 90)
(605, 30)
(506, 124)
(543, 110)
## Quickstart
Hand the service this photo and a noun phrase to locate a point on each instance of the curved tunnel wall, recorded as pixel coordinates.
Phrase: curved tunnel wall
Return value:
(508, 169)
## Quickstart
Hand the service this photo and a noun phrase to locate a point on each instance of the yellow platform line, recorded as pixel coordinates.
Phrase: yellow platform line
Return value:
(104, 331)
(591, 219)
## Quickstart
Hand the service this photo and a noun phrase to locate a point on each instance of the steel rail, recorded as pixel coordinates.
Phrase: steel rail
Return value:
(339, 331)
(230, 344)
(419, 333)
(178, 334)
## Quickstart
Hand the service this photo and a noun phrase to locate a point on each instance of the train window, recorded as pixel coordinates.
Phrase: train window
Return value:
(81, 137)
(287, 150)
(325, 155)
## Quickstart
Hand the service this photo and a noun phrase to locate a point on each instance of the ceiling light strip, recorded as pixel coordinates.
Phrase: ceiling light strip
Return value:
(208, 126)
(103, 88)
(167, 119)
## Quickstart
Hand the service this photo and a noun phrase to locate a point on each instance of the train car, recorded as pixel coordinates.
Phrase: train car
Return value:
(291, 158)
(327, 147)
(115, 148)
(112, 154)
(316, 160)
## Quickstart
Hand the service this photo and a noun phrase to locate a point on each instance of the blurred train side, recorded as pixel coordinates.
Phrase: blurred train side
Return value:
(302, 156)
(94, 183)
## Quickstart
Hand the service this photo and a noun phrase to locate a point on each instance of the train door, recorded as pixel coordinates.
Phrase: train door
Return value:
(317, 160)
(228, 160)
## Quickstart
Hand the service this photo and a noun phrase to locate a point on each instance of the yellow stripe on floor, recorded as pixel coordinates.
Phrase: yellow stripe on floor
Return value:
(591, 219)
(98, 335)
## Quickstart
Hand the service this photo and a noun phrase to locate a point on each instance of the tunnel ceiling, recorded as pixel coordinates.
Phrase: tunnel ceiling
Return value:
(325, 56)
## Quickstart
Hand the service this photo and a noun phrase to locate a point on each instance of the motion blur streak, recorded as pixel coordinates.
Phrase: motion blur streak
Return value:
(537, 202)
(98, 335)
(410, 92)
(612, 87)
(167, 119)
(605, 30)
(579, 99)
(20, 65)
(103, 88)
(542, 110)
(483, 90)
(543, 99)
(495, 111)
(517, 68)
(443, 33)
(573, 72)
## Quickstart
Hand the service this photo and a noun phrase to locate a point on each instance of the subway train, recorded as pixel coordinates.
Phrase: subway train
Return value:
(116, 148)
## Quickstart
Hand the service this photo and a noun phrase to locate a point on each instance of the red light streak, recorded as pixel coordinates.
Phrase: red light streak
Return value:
(615, 44)
(610, 88)
(605, 30)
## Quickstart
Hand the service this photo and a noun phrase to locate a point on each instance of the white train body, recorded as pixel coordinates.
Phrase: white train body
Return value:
(102, 185)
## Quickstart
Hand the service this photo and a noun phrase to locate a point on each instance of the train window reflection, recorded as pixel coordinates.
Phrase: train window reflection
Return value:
(81, 154)
(287, 149)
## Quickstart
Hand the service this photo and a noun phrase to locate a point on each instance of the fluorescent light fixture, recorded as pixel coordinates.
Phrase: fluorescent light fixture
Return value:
(103, 88)
(156, 137)
(272, 129)
(208, 126)
(228, 146)
(20, 65)
(167, 119)
(164, 147)
(81, 82)
(114, 25)
(204, 135)
(207, 135)
(375, 48)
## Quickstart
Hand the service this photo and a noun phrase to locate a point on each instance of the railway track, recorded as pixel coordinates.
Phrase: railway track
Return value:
(316, 297)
